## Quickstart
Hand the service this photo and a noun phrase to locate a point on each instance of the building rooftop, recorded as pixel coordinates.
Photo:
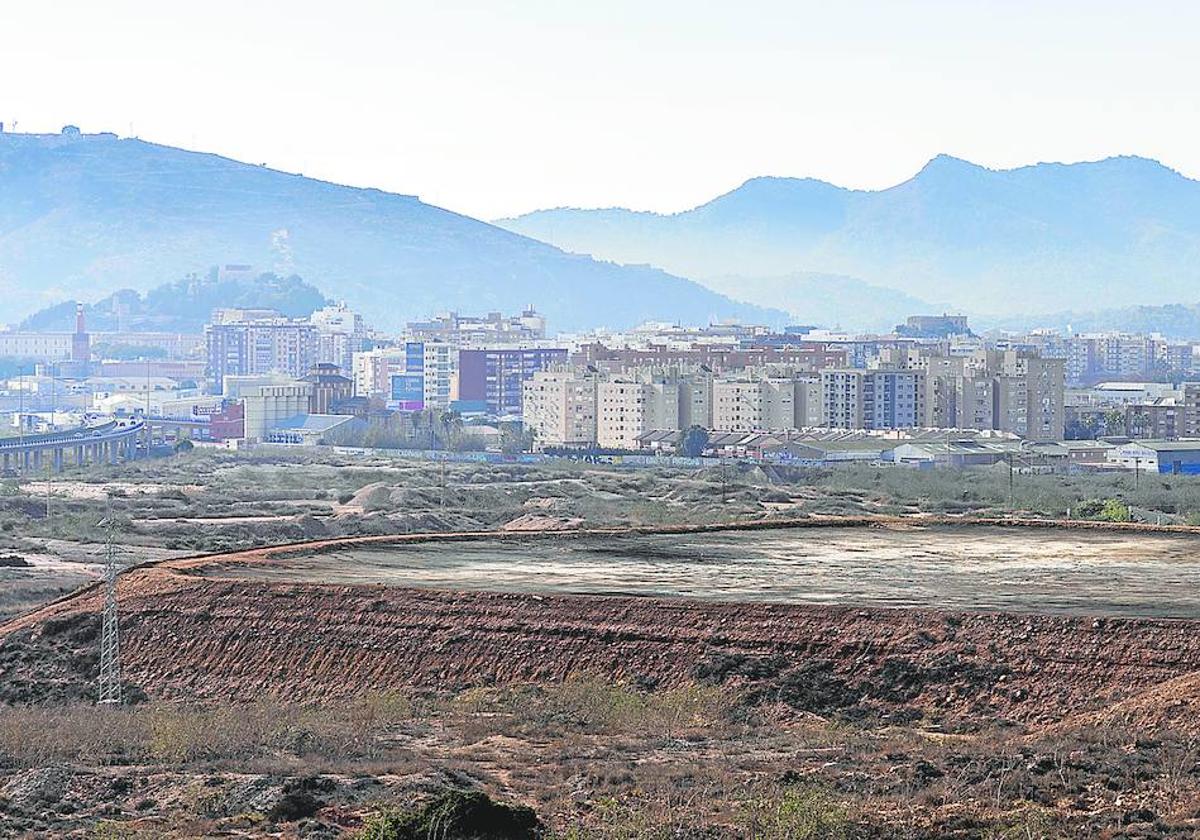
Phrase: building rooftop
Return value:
(1168, 445)
(314, 422)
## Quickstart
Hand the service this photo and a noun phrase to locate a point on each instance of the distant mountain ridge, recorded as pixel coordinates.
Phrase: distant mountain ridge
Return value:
(830, 300)
(1041, 238)
(1172, 321)
(82, 216)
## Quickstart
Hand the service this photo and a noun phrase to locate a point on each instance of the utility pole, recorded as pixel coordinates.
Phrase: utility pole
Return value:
(49, 474)
(1137, 463)
(110, 640)
(443, 460)
(1012, 496)
(21, 403)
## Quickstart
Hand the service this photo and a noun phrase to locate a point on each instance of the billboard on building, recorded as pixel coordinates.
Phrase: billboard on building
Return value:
(408, 391)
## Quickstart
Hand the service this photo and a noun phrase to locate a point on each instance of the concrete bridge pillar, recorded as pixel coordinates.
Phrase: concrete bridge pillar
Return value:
(58, 459)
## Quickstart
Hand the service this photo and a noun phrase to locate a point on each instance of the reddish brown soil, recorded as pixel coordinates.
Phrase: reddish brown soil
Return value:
(188, 637)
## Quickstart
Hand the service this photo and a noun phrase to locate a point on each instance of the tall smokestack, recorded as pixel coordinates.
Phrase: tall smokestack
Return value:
(81, 345)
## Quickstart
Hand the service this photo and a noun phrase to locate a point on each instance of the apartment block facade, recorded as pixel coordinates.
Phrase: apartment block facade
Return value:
(1028, 398)
(559, 407)
(427, 379)
(372, 371)
(493, 378)
(873, 399)
(252, 347)
(626, 409)
(341, 333)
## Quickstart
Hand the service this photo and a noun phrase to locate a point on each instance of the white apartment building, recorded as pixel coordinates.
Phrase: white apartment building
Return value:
(842, 402)
(372, 371)
(440, 366)
(559, 407)
(752, 404)
(625, 410)
(340, 334)
(737, 405)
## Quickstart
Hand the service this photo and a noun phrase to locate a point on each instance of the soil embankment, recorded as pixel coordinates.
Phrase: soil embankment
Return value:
(186, 636)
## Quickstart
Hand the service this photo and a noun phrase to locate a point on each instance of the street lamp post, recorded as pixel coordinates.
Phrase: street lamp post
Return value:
(21, 403)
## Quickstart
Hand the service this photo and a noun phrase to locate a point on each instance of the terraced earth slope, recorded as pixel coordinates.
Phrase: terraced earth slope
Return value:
(224, 627)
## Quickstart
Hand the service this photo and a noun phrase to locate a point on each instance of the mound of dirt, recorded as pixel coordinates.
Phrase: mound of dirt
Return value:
(1172, 706)
(541, 522)
(371, 495)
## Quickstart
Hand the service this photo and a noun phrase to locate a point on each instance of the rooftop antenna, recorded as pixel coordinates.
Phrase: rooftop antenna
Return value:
(110, 639)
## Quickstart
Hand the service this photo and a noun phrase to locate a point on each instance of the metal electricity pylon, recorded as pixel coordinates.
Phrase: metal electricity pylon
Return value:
(110, 636)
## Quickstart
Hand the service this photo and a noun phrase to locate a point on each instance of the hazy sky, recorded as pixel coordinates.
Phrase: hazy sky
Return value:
(499, 108)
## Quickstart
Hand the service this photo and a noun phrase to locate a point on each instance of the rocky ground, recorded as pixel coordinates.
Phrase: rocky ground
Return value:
(608, 716)
(264, 708)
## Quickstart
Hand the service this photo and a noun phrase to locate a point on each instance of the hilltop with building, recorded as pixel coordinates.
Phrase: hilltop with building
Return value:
(85, 215)
(183, 306)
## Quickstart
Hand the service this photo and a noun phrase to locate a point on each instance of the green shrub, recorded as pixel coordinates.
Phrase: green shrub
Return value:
(466, 814)
(1104, 510)
(798, 813)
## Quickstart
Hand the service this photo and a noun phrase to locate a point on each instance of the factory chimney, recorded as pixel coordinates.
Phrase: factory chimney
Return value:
(81, 346)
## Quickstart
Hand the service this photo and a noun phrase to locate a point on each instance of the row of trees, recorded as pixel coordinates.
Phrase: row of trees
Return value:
(1114, 422)
(431, 429)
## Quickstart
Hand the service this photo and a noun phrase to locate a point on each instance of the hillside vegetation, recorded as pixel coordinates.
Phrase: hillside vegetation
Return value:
(184, 305)
(84, 216)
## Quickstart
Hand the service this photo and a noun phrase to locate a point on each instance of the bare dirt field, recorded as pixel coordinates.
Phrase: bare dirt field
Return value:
(946, 567)
(632, 715)
(935, 677)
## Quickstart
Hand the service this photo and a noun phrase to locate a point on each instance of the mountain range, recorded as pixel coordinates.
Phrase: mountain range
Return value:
(1171, 320)
(82, 216)
(1043, 238)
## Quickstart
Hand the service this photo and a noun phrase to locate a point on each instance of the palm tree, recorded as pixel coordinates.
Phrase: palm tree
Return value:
(1114, 422)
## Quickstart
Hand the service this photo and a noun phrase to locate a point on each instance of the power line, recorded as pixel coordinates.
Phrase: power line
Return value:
(110, 639)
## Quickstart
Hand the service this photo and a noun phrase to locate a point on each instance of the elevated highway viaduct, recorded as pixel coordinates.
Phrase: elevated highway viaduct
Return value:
(105, 443)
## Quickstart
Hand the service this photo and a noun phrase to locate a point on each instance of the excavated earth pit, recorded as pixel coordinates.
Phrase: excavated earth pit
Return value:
(954, 625)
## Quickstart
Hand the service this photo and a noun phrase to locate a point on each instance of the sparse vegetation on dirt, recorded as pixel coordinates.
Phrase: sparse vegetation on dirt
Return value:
(399, 765)
(213, 501)
(297, 709)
